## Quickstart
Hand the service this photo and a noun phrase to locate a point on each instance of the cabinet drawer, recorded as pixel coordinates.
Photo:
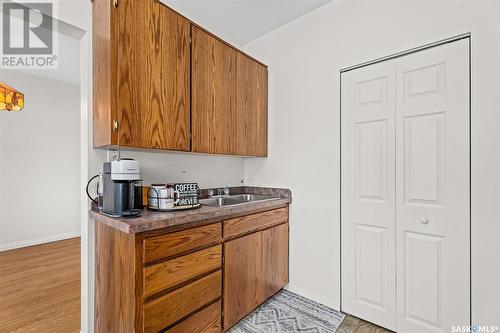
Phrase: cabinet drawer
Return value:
(175, 271)
(207, 320)
(172, 307)
(169, 245)
(255, 222)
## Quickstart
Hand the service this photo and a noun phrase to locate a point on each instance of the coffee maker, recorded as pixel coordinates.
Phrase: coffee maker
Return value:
(122, 188)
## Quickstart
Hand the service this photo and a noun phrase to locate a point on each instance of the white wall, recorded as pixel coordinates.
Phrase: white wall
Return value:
(305, 58)
(40, 163)
(170, 167)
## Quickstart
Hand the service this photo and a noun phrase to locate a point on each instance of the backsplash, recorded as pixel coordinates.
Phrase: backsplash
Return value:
(273, 192)
(171, 167)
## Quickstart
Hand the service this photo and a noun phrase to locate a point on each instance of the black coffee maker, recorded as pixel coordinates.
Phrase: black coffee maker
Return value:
(122, 188)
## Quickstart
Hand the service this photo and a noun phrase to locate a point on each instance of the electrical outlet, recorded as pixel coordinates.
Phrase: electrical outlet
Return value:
(113, 155)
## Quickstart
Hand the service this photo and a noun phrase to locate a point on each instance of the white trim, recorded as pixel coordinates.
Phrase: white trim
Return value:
(331, 304)
(38, 241)
(86, 296)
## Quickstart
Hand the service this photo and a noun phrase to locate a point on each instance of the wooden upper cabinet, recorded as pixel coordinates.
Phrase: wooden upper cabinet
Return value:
(229, 99)
(251, 107)
(104, 60)
(146, 72)
(161, 82)
(213, 95)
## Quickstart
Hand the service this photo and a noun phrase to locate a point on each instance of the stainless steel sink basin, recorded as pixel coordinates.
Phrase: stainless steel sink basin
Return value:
(219, 201)
(231, 200)
(251, 197)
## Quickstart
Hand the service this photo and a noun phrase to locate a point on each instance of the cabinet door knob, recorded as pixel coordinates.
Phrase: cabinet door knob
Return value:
(424, 220)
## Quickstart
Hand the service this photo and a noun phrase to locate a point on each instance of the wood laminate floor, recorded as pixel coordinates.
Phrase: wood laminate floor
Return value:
(352, 324)
(40, 288)
(40, 291)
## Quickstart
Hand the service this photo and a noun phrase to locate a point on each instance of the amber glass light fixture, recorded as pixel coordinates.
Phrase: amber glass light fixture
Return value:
(10, 99)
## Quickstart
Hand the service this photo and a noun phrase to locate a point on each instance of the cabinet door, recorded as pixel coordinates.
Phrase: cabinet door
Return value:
(255, 268)
(153, 76)
(104, 41)
(274, 260)
(242, 277)
(213, 94)
(251, 106)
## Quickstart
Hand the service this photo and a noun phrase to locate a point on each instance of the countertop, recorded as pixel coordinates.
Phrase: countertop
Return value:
(149, 221)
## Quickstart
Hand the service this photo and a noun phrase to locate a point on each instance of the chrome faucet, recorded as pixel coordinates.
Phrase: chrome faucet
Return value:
(224, 191)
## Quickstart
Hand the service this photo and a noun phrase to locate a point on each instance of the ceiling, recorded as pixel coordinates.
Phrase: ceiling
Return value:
(236, 21)
(242, 21)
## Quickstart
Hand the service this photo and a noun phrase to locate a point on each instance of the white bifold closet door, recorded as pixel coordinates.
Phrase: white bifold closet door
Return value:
(406, 191)
(368, 194)
(433, 189)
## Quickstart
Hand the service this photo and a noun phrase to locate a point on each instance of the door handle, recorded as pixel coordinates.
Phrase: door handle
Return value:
(424, 220)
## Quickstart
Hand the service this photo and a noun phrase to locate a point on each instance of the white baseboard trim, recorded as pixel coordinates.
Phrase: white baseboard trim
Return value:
(331, 304)
(37, 241)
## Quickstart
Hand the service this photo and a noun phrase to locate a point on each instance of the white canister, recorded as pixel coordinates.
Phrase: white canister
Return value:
(155, 193)
(166, 203)
(162, 193)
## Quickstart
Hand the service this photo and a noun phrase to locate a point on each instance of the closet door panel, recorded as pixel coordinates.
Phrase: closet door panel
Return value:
(432, 189)
(368, 225)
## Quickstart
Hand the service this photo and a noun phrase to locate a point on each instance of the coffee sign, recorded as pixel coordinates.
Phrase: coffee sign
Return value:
(186, 194)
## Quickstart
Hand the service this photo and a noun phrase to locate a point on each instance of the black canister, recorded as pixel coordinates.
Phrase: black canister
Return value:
(138, 204)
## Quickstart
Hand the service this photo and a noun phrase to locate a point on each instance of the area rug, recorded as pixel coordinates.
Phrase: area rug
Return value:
(287, 312)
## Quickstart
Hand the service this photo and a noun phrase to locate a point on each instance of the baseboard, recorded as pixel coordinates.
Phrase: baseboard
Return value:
(331, 304)
(37, 241)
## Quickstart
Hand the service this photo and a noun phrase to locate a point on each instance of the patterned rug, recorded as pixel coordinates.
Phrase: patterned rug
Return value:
(287, 312)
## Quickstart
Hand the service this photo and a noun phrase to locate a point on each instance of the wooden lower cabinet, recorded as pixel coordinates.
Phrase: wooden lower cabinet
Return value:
(172, 307)
(242, 272)
(207, 320)
(171, 273)
(255, 268)
(274, 260)
(192, 280)
(252, 223)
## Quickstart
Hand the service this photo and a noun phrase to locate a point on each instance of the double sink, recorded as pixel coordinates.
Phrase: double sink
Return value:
(233, 200)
